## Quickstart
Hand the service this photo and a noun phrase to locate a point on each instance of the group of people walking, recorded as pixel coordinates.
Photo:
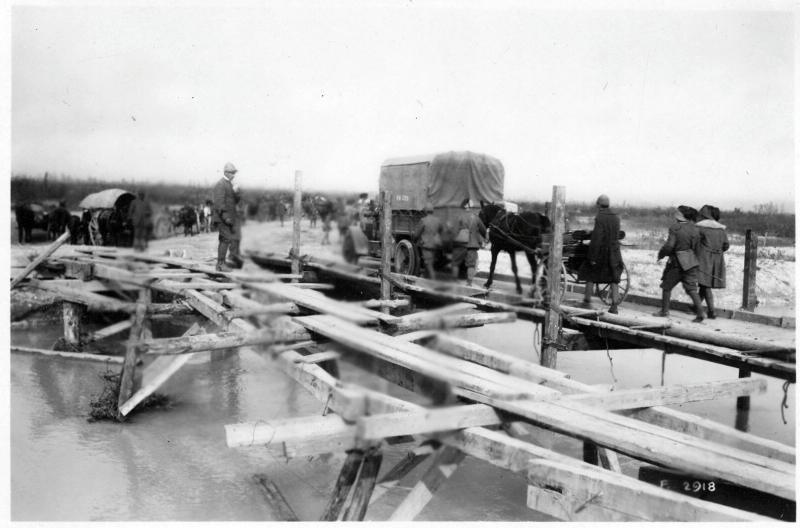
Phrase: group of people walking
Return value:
(694, 250)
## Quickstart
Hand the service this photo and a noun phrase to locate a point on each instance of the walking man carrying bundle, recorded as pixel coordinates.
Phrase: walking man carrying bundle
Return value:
(227, 220)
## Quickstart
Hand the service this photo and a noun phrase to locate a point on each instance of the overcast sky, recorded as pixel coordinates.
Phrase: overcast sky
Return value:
(677, 105)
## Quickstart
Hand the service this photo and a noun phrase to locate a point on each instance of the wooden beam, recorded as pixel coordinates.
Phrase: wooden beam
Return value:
(319, 357)
(365, 484)
(444, 464)
(377, 427)
(132, 351)
(552, 320)
(110, 330)
(93, 301)
(198, 343)
(156, 374)
(580, 494)
(387, 247)
(280, 507)
(454, 321)
(384, 303)
(406, 464)
(68, 355)
(670, 395)
(49, 250)
(749, 298)
(344, 482)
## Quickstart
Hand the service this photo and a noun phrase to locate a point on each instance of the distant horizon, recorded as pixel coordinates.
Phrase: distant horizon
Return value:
(783, 208)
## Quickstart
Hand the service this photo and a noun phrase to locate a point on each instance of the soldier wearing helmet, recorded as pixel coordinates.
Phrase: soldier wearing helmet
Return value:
(226, 218)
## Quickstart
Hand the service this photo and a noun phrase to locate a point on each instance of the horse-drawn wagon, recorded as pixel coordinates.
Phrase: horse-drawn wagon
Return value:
(106, 217)
(441, 181)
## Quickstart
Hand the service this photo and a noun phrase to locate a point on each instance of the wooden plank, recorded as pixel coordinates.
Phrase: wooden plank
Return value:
(195, 285)
(49, 250)
(444, 464)
(384, 303)
(671, 395)
(68, 355)
(93, 301)
(387, 247)
(364, 487)
(407, 464)
(654, 444)
(187, 344)
(460, 374)
(317, 302)
(156, 374)
(454, 321)
(584, 495)
(377, 427)
(278, 504)
(319, 357)
(110, 330)
(344, 482)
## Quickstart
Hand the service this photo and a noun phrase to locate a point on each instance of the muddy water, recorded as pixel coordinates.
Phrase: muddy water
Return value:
(173, 464)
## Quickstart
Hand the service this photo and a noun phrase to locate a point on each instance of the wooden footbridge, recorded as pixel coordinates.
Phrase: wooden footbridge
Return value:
(470, 399)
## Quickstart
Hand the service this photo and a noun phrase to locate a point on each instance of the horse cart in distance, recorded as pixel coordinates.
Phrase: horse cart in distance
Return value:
(442, 181)
(105, 217)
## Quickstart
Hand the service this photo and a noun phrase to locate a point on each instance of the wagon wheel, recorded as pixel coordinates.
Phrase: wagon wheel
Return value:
(349, 248)
(604, 290)
(94, 231)
(406, 260)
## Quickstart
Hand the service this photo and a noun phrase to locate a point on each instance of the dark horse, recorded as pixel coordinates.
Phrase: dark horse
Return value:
(512, 232)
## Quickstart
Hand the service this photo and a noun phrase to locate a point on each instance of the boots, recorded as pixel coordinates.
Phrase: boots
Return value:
(664, 311)
(705, 293)
(698, 307)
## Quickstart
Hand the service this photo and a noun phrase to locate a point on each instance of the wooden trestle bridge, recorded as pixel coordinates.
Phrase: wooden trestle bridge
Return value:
(478, 401)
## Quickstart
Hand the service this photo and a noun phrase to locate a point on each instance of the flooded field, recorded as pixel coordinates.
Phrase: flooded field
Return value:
(173, 465)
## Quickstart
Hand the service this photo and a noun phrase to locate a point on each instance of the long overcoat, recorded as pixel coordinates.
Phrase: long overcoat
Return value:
(224, 211)
(713, 242)
(604, 260)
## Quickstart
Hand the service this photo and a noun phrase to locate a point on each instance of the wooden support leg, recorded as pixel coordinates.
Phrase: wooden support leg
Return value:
(276, 500)
(407, 464)
(343, 484)
(364, 486)
(743, 402)
(72, 323)
(444, 465)
(131, 353)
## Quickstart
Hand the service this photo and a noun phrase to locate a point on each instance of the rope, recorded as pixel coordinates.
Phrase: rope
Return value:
(784, 404)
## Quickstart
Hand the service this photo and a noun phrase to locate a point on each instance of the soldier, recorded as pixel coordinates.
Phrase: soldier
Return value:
(682, 265)
(470, 234)
(140, 214)
(604, 260)
(429, 237)
(227, 220)
(713, 243)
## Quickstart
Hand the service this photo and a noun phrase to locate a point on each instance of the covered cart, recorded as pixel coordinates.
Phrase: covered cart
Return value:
(442, 181)
(106, 217)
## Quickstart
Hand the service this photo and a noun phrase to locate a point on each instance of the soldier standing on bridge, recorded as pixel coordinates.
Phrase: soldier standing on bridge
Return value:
(713, 243)
(470, 234)
(226, 217)
(429, 237)
(682, 265)
(604, 262)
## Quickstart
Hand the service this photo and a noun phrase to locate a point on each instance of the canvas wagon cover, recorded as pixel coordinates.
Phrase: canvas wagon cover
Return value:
(104, 199)
(442, 180)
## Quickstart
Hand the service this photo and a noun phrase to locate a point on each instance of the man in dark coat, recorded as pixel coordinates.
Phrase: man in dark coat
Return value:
(59, 220)
(604, 259)
(140, 214)
(226, 217)
(682, 266)
(713, 243)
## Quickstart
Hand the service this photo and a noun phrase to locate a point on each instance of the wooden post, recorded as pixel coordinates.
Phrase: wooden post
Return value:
(357, 508)
(71, 313)
(743, 402)
(343, 484)
(297, 212)
(552, 318)
(387, 246)
(126, 377)
(749, 299)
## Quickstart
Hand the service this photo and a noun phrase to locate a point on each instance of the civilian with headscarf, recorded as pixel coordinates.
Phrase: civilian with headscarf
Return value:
(713, 243)
(682, 266)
